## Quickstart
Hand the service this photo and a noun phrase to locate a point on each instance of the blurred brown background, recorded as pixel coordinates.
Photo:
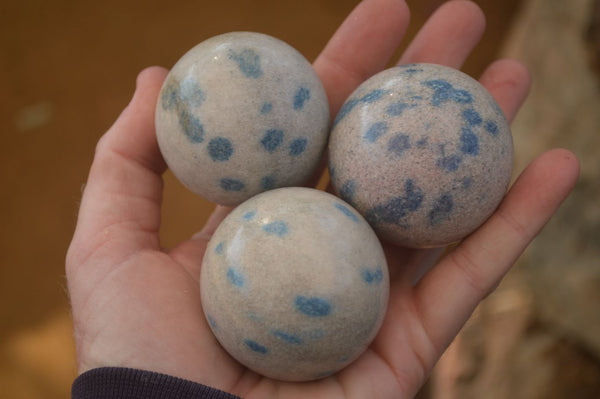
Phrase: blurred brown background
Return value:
(67, 68)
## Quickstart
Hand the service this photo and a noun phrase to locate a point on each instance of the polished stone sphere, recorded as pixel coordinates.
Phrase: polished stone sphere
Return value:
(294, 284)
(423, 152)
(239, 114)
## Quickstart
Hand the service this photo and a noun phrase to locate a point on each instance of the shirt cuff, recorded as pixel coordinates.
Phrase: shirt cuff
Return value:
(126, 383)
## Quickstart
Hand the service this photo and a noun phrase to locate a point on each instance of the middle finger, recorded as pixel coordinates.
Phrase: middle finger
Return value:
(448, 36)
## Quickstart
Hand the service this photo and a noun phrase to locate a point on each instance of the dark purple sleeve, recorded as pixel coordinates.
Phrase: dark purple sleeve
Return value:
(124, 383)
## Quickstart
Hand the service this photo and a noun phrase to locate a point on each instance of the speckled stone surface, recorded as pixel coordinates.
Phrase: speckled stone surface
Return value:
(294, 284)
(239, 114)
(423, 152)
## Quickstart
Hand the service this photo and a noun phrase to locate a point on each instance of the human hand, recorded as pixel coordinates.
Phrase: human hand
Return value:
(136, 305)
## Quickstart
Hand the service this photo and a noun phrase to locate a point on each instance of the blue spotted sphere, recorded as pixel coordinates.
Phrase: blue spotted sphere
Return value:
(423, 152)
(294, 284)
(239, 114)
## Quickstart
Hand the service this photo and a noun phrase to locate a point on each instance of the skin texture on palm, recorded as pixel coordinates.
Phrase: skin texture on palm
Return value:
(137, 305)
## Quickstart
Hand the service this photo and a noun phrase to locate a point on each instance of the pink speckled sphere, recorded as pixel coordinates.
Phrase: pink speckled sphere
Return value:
(424, 152)
(294, 284)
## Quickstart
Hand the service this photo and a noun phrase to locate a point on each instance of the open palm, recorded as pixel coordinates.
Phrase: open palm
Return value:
(136, 305)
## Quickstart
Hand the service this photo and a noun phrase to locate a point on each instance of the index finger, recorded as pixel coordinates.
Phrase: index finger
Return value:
(361, 47)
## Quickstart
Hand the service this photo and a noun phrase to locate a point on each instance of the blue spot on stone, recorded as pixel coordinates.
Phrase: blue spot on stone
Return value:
(228, 184)
(212, 322)
(449, 163)
(191, 93)
(248, 216)
(266, 108)
(467, 182)
(439, 85)
(346, 211)
(345, 110)
(398, 144)
(235, 277)
(301, 97)
(444, 92)
(220, 149)
(350, 104)
(248, 61)
(192, 128)
(396, 109)
(170, 97)
(272, 139)
(410, 68)
(422, 143)
(462, 97)
(219, 248)
(298, 146)
(372, 276)
(348, 190)
(254, 317)
(375, 131)
(469, 143)
(278, 228)
(267, 182)
(397, 208)
(491, 127)
(332, 170)
(472, 117)
(287, 338)
(313, 306)
(255, 346)
(441, 209)
(372, 96)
